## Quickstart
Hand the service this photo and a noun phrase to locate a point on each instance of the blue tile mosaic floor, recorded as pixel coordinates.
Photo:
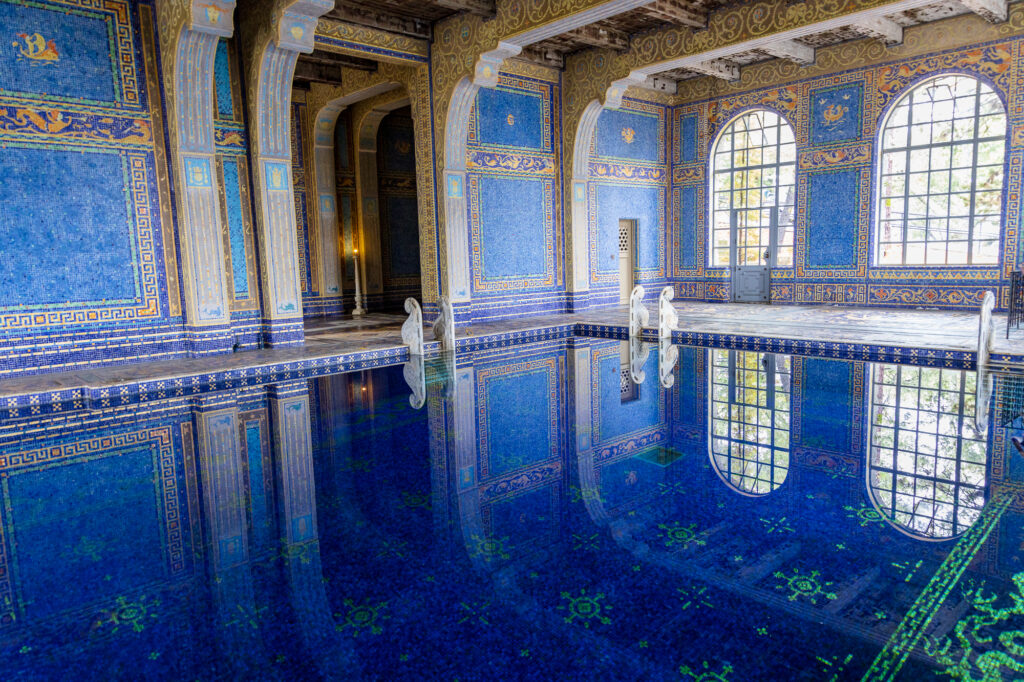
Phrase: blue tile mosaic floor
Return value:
(531, 512)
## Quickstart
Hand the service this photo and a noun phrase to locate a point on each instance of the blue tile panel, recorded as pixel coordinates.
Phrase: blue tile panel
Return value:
(259, 495)
(222, 81)
(72, 534)
(836, 113)
(826, 404)
(624, 134)
(833, 200)
(688, 227)
(633, 202)
(80, 249)
(618, 418)
(512, 226)
(510, 118)
(688, 139)
(236, 227)
(72, 56)
(517, 419)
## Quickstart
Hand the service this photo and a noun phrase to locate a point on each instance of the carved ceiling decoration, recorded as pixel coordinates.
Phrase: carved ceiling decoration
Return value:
(416, 17)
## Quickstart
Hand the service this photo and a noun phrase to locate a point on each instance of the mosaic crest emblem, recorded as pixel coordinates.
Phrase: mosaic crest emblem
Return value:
(212, 13)
(628, 134)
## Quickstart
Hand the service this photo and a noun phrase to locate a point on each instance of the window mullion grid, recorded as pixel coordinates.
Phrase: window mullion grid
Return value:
(974, 177)
(960, 440)
(896, 441)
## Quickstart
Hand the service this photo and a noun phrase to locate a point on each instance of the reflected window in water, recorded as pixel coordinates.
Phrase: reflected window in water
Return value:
(750, 411)
(926, 470)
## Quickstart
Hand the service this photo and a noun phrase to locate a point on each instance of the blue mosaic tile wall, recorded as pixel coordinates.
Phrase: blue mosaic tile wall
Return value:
(81, 114)
(399, 217)
(835, 118)
(629, 180)
(514, 195)
(231, 134)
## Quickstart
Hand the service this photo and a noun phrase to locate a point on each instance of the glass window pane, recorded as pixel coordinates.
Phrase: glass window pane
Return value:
(943, 148)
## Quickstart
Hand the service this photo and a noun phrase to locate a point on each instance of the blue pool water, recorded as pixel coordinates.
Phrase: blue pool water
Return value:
(525, 513)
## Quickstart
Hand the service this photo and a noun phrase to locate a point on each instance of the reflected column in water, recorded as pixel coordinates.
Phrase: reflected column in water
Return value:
(220, 454)
(293, 454)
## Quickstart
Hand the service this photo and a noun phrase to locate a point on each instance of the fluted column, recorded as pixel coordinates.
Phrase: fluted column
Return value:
(189, 31)
(274, 33)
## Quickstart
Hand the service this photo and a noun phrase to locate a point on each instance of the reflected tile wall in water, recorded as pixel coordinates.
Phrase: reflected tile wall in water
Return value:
(526, 520)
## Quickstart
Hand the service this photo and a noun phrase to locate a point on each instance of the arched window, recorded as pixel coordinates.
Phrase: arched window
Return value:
(753, 174)
(941, 175)
(750, 419)
(927, 466)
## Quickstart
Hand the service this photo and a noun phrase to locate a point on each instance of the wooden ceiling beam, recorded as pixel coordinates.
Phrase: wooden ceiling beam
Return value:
(792, 50)
(416, 28)
(599, 36)
(886, 30)
(991, 10)
(674, 12)
(481, 8)
(539, 54)
(717, 68)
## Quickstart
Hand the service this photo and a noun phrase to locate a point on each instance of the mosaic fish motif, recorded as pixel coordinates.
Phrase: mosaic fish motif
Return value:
(835, 113)
(36, 48)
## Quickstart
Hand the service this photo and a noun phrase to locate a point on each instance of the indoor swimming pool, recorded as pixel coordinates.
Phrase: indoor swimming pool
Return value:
(577, 508)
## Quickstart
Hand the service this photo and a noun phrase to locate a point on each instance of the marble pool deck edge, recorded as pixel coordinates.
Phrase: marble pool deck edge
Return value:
(123, 392)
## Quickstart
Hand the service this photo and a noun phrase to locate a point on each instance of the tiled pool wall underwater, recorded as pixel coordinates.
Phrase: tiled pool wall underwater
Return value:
(530, 512)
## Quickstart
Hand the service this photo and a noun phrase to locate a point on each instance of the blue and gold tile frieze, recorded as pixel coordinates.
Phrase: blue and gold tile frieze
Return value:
(952, 274)
(833, 157)
(831, 293)
(689, 174)
(510, 163)
(991, 61)
(67, 126)
(783, 100)
(946, 296)
(620, 171)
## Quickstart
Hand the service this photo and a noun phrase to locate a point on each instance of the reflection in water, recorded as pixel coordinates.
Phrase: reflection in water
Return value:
(528, 521)
(750, 419)
(927, 464)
